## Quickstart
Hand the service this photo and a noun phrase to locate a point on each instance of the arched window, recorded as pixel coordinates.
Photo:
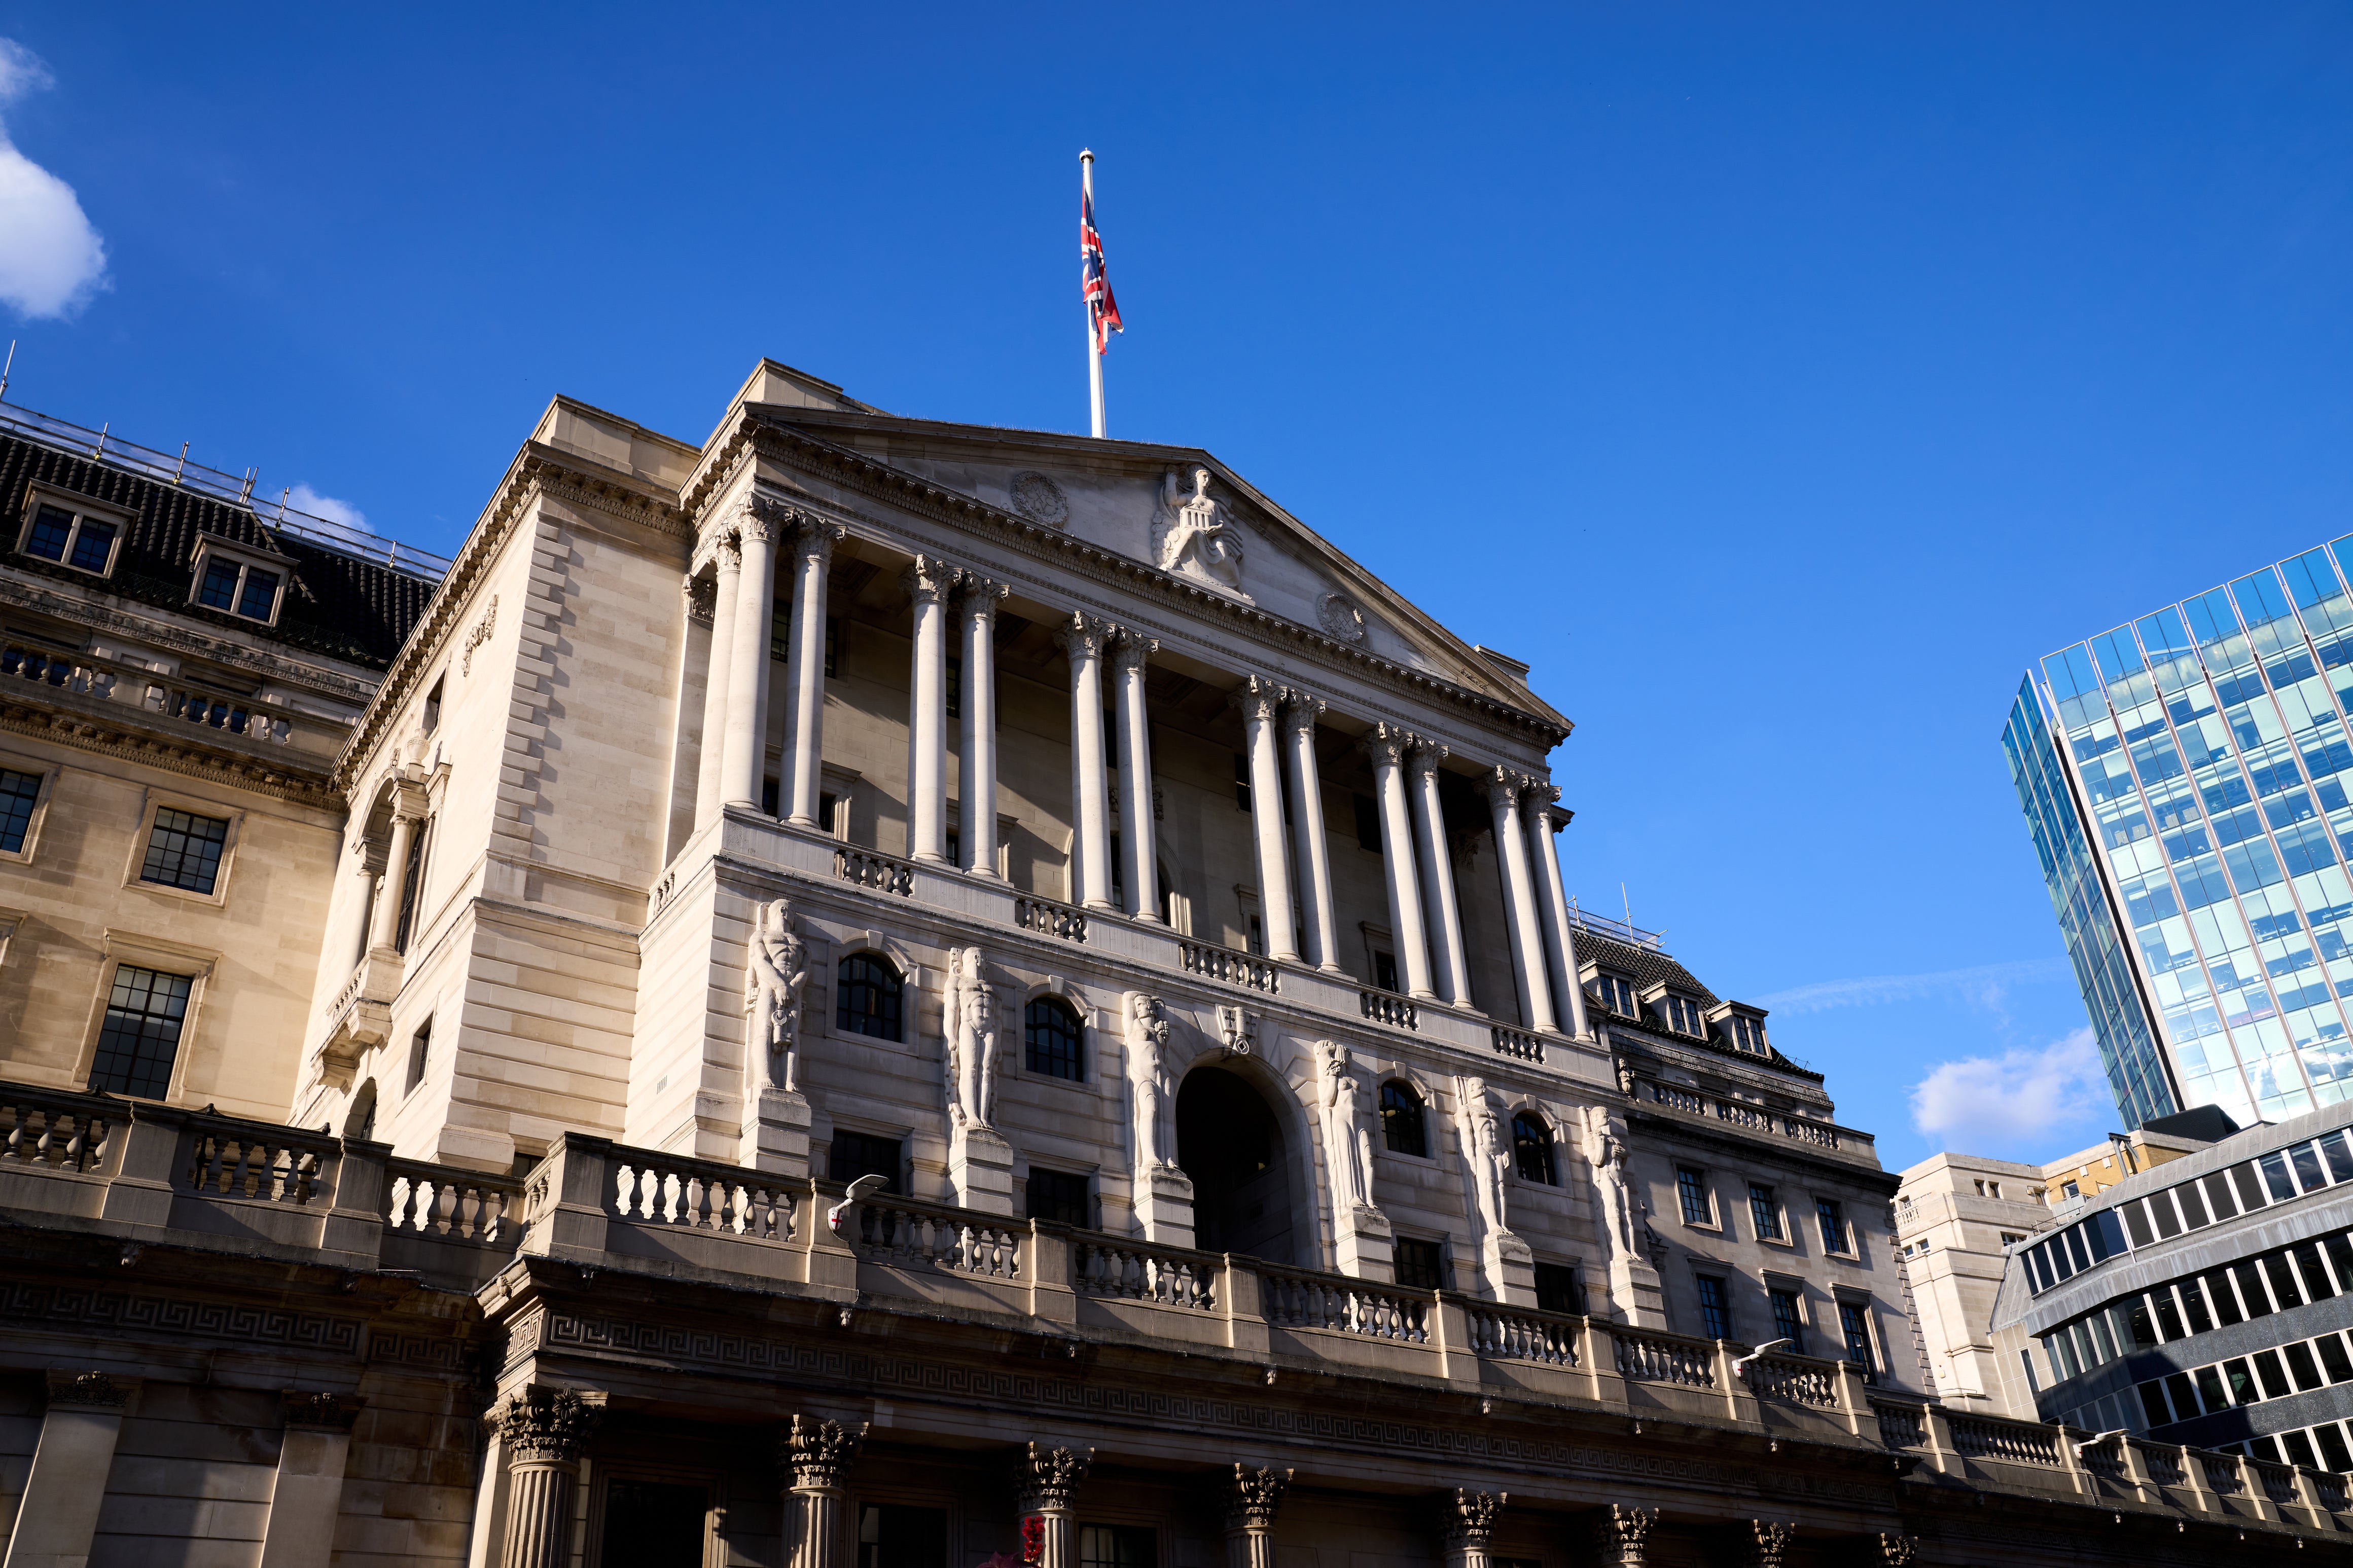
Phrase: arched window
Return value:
(866, 996)
(1401, 1121)
(1050, 1038)
(1532, 1149)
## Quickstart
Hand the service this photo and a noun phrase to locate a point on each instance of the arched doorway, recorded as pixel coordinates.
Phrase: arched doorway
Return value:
(1230, 1144)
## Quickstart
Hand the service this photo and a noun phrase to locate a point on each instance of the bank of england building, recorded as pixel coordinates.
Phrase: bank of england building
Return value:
(823, 995)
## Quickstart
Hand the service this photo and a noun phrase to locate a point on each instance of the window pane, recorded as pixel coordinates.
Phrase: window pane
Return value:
(1060, 1196)
(1117, 1546)
(1051, 1034)
(219, 588)
(92, 545)
(1714, 1322)
(1558, 1288)
(47, 538)
(1856, 1327)
(1692, 1188)
(142, 1033)
(1788, 1320)
(867, 998)
(1403, 1128)
(260, 595)
(857, 1154)
(184, 850)
(18, 793)
(1764, 1212)
(1420, 1263)
(1833, 1225)
(1532, 1150)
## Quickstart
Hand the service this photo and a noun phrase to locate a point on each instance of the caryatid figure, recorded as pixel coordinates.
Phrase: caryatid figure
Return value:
(1484, 1147)
(777, 963)
(978, 1090)
(1348, 1145)
(1604, 1148)
(1154, 1080)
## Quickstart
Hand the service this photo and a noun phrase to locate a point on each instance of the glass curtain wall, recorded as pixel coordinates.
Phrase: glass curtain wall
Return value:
(2208, 748)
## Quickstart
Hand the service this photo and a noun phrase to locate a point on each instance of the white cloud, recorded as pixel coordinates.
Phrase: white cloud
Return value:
(1985, 1104)
(1985, 985)
(51, 260)
(305, 499)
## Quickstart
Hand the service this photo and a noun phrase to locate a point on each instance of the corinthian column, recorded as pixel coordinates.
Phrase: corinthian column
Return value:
(763, 526)
(1082, 638)
(804, 700)
(928, 581)
(1468, 1523)
(1142, 867)
(1250, 1508)
(1453, 977)
(1259, 702)
(1526, 942)
(976, 763)
(1386, 747)
(1300, 711)
(719, 668)
(544, 1430)
(817, 1455)
(1047, 1483)
(1552, 904)
(1619, 1534)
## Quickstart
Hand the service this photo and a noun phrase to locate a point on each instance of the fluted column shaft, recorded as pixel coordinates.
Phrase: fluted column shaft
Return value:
(1312, 849)
(1386, 747)
(1552, 899)
(1519, 901)
(1443, 915)
(747, 681)
(1250, 1508)
(977, 761)
(929, 582)
(817, 1455)
(383, 925)
(1083, 640)
(1135, 830)
(805, 700)
(1258, 702)
(816, 1527)
(727, 571)
(539, 1512)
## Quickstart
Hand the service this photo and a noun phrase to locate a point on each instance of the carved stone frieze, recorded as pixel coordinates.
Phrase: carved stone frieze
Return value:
(1040, 499)
(478, 635)
(87, 1391)
(1254, 1497)
(816, 1454)
(1049, 1479)
(548, 1424)
(1468, 1520)
(1618, 1534)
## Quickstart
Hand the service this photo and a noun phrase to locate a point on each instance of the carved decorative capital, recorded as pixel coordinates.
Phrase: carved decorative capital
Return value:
(1132, 650)
(1083, 636)
(1385, 745)
(817, 1454)
(814, 540)
(1885, 1550)
(765, 517)
(1504, 786)
(1257, 698)
(547, 1422)
(931, 580)
(1049, 1479)
(1536, 796)
(726, 556)
(1251, 1501)
(1618, 1533)
(1301, 709)
(980, 595)
(1470, 1519)
(320, 1412)
(1762, 1543)
(88, 1391)
(702, 597)
(1423, 756)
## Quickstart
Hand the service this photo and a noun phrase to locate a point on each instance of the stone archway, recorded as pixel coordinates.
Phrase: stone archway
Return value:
(1231, 1145)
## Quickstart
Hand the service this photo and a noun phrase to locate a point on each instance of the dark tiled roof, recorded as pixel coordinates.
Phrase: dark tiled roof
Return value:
(338, 604)
(1642, 965)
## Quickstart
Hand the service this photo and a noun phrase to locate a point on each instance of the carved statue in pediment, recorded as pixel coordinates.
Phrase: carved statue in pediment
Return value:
(777, 963)
(1191, 534)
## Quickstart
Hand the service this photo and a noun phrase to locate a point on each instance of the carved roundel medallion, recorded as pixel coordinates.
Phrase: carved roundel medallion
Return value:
(1341, 617)
(1041, 499)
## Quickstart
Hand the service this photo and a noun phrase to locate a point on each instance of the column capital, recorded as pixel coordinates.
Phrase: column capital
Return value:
(90, 1391)
(980, 595)
(719, 554)
(1504, 786)
(701, 595)
(1386, 744)
(1301, 708)
(1083, 636)
(813, 538)
(817, 1453)
(1251, 1501)
(1256, 698)
(1050, 1477)
(1619, 1534)
(1132, 650)
(1469, 1520)
(1889, 1551)
(548, 1423)
(1422, 757)
(931, 578)
(318, 1412)
(1762, 1543)
(1538, 792)
(767, 517)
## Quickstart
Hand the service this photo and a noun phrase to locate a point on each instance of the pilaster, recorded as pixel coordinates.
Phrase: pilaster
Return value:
(57, 1514)
(306, 1495)
(1251, 1501)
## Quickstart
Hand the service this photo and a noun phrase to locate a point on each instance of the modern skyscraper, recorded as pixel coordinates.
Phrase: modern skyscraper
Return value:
(2185, 779)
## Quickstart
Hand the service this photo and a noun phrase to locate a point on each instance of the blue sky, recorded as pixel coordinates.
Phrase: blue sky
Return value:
(1798, 377)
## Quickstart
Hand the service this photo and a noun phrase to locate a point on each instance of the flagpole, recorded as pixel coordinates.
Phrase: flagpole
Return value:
(1094, 358)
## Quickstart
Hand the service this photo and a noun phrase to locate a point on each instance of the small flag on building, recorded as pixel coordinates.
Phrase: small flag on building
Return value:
(1103, 311)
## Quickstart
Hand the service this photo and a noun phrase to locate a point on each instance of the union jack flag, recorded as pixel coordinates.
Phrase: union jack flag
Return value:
(1094, 282)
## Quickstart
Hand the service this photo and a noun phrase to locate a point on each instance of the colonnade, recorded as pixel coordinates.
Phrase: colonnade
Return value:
(952, 602)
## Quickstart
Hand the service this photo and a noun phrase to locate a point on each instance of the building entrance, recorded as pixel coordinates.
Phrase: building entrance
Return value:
(1229, 1143)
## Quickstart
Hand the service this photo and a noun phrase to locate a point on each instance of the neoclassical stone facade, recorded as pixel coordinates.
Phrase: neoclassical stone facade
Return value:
(893, 992)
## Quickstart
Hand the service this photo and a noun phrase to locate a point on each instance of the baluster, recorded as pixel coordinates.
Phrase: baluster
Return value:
(445, 1209)
(41, 1155)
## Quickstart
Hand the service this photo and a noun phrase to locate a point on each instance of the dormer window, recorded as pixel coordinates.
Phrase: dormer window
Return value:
(1617, 994)
(62, 529)
(1748, 1034)
(236, 583)
(1683, 1016)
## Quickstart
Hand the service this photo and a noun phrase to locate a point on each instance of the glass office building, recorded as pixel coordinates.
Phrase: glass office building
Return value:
(2185, 777)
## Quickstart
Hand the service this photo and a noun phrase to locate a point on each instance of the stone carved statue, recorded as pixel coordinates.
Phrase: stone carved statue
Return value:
(1603, 1144)
(775, 963)
(1154, 1079)
(969, 1020)
(1483, 1147)
(1348, 1145)
(1189, 534)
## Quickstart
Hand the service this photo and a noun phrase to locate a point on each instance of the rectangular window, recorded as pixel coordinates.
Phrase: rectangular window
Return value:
(1789, 1319)
(2302, 1367)
(1715, 1319)
(2333, 1359)
(1833, 1220)
(93, 546)
(2251, 1289)
(2168, 1316)
(1385, 975)
(780, 631)
(2193, 1304)
(2304, 1159)
(1369, 822)
(140, 1036)
(85, 544)
(1116, 1546)
(412, 887)
(420, 1046)
(1060, 1196)
(893, 1535)
(2225, 1299)
(2276, 1178)
(2218, 1195)
(2333, 1451)
(184, 850)
(1854, 1324)
(2248, 1186)
(18, 793)
(2139, 1324)
(1558, 1289)
(2317, 1285)
(2152, 1404)
(1691, 1186)
(857, 1154)
(1420, 1263)
(1764, 1213)
(236, 588)
(2189, 1195)
(51, 531)
(2238, 1378)
(259, 595)
(2340, 1162)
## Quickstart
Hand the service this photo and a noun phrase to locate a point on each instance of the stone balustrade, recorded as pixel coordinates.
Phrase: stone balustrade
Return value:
(159, 1174)
(106, 680)
(1751, 1117)
(1045, 916)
